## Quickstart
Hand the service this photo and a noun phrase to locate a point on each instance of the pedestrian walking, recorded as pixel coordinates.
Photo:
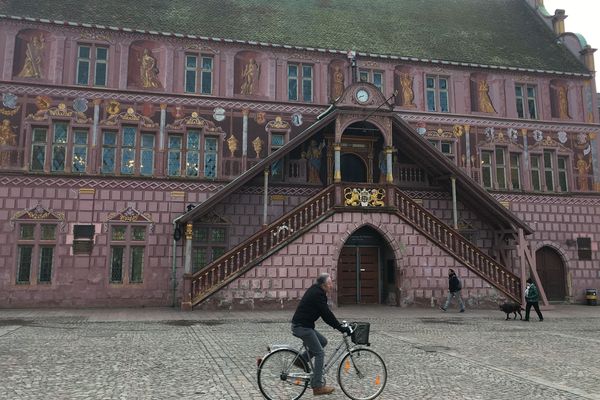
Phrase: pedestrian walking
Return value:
(532, 296)
(454, 287)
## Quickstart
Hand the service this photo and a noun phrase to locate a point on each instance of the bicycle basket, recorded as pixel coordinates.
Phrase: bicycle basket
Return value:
(361, 333)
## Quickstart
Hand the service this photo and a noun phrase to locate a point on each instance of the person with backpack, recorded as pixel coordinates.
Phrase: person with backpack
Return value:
(454, 287)
(532, 296)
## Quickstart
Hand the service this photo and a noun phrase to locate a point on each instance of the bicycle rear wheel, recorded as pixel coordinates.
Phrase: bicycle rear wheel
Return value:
(362, 374)
(279, 379)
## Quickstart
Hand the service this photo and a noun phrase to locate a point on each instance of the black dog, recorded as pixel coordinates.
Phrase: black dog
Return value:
(512, 308)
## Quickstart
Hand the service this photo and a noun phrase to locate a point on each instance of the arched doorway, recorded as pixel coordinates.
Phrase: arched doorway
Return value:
(353, 168)
(366, 273)
(551, 270)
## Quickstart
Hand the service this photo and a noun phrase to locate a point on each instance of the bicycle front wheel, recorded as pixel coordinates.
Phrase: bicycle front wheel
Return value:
(362, 374)
(279, 378)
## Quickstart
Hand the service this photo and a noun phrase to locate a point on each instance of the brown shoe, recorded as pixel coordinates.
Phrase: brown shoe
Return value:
(322, 390)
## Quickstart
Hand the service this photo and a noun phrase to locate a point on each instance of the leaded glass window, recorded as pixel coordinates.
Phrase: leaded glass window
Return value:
(500, 168)
(174, 156)
(292, 82)
(80, 146)
(118, 232)
(199, 258)
(46, 255)
(24, 267)
(486, 169)
(101, 66)
(59, 146)
(128, 150)
(536, 179)
(525, 96)
(210, 157)
(437, 93)
(549, 170)
(201, 74)
(192, 153)
(515, 170)
(38, 149)
(371, 76)
(109, 149)
(26, 232)
(147, 154)
(190, 73)
(209, 243)
(116, 264)
(88, 56)
(200, 234)
(137, 264)
(138, 233)
(562, 174)
(83, 65)
(48, 231)
(307, 83)
(206, 75)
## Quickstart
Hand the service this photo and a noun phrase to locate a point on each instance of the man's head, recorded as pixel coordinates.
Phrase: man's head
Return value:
(450, 272)
(529, 280)
(324, 280)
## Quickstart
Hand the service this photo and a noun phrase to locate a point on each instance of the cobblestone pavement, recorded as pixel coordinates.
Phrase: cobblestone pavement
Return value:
(168, 354)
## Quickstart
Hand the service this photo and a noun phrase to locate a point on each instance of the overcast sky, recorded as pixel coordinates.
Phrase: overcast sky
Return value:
(583, 16)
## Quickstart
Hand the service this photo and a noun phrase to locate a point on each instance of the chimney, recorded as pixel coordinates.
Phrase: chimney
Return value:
(558, 22)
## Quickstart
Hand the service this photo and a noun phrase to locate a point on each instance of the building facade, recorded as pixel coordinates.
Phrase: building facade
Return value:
(174, 157)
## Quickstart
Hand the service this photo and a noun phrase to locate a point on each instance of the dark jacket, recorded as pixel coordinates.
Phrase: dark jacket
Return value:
(453, 283)
(532, 295)
(312, 306)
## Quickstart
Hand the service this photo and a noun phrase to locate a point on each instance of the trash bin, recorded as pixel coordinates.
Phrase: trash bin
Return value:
(591, 296)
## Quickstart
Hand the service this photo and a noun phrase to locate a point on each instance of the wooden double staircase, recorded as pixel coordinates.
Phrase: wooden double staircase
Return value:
(243, 257)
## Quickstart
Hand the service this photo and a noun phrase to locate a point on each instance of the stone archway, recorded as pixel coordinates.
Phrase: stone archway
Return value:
(551, 270)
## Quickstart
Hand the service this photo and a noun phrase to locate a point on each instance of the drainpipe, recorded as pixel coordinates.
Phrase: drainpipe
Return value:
(174, 265)
(454, 210)
(266, 197)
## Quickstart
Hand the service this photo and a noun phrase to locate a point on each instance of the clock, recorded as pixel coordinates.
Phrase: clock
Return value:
(362, 96)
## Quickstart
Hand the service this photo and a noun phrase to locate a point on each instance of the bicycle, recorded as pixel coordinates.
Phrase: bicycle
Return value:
(284, 375)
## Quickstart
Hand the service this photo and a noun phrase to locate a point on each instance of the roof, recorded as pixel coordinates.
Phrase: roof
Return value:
(505, 33)
(469, 192)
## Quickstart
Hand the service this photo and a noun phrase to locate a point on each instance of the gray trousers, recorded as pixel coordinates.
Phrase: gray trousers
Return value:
(450, 296)
(315, 342)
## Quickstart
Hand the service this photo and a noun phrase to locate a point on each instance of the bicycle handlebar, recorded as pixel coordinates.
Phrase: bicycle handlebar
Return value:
(345, 324)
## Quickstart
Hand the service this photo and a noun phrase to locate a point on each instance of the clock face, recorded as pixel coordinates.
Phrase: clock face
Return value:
(362, 96)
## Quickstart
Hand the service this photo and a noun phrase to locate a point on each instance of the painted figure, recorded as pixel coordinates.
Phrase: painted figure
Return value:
(7, 138)
(313, 155)
(485, 104)
(250, 76)
(33, 59)
(563, 103)
(149, 71)
(338, 83)
(582, 173)
(408, 95)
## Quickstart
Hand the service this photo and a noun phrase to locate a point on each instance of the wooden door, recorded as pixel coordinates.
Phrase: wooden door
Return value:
(551, 270)
(358, 275)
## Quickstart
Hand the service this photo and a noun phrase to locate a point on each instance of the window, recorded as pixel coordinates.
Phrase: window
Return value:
(446, 147)
(59, 146)
(198, 74)
(562, 173)
(437, 93)
(372, 76)
(277, 141)
(208, 244)
(136, 152)
(300, 82)
(192, 154)
(500, 168)
(515, 170)
(584, 248)
(526, 101)
(210, 157)
(486, 169)
(83, 239)
(549, 170)
(127, 253)
(80, 151)
(174, 156)
(92, 62)
(536, 179)
(38, 149)
(35, 251)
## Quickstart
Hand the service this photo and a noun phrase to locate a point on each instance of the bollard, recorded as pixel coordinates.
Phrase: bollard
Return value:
(591, 297)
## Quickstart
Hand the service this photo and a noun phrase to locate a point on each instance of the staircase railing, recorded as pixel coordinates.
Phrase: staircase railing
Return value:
(242, 257)
(458, 246)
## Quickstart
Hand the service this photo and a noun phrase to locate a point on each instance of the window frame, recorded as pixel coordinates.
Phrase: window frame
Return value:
(37, 244)
(370, 74)
(121, 151)
(199, 73)
(300, 80)
(93, 61)
(524, 111)
(209, 245)
(437, 93)
(48, 148)
(127, 245)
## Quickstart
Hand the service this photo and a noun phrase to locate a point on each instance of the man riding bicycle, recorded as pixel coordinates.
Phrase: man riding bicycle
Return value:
(312, 307)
